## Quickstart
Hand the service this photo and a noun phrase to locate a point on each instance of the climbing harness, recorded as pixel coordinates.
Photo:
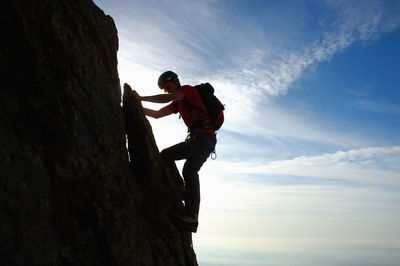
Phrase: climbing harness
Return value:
(192, 135)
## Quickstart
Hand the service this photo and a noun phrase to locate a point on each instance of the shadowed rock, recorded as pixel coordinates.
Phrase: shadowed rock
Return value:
(69, 192)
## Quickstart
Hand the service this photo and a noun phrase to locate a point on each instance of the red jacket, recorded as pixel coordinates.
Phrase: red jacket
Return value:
(191, 108)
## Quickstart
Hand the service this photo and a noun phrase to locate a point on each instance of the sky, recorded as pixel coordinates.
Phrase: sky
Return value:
(308, 159)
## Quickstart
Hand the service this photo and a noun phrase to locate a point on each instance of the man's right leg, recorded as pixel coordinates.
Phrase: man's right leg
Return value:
(169, 156)
(175, 152)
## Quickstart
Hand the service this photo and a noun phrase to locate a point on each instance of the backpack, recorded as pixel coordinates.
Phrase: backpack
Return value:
(214, 107)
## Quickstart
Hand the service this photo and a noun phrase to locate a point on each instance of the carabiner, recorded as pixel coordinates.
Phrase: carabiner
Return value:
(213, 157)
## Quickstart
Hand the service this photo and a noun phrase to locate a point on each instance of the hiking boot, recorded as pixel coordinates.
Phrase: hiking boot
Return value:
(189, 222)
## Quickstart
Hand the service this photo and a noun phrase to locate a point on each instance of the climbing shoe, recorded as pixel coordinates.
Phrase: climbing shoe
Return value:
(189, 222)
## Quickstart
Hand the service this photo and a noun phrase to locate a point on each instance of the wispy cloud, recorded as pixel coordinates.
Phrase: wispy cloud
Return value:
(356, 198)
(377, 165)
(353, 21)
(376, 106)
(366, 98)
(266, 122)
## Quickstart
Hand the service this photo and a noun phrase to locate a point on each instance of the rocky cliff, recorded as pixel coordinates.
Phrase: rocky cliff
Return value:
(70, 194)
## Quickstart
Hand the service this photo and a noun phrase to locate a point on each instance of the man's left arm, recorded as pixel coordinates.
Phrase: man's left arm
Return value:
(162, 98)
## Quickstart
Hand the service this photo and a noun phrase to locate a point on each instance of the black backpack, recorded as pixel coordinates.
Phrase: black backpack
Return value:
(214, 107)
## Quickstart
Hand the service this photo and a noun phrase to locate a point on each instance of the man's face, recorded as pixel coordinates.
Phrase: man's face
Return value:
(170, 87)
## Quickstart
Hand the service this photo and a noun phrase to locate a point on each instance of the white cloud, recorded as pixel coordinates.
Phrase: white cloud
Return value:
(339, 212)
(366, 20)
(375, 106)
(364, 208)
(377, 165)
(354, 21)
(263, 121)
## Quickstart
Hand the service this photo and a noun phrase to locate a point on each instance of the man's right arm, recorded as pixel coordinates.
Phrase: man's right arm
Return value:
(167, 110)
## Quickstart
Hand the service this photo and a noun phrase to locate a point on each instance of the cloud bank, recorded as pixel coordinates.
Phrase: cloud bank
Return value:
(375, 165)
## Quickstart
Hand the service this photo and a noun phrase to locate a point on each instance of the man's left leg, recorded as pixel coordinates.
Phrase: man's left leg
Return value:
(198, 154)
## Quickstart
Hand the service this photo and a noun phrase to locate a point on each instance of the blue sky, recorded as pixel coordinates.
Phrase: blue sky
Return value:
(308, 167)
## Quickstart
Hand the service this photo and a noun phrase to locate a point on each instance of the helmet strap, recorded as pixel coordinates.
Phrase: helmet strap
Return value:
(177, 82)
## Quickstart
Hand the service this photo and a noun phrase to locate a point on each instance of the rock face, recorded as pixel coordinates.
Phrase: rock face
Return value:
(69, 192)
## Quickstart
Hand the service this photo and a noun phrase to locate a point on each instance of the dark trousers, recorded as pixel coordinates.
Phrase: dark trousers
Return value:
(195, 151)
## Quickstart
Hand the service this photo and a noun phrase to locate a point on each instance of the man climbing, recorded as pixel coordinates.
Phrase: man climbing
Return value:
(199, 144)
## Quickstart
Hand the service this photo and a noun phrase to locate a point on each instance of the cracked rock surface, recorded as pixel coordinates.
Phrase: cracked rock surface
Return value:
(69, 192)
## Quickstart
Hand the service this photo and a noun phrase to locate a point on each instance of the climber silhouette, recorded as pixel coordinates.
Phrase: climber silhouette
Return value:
(198, 145)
